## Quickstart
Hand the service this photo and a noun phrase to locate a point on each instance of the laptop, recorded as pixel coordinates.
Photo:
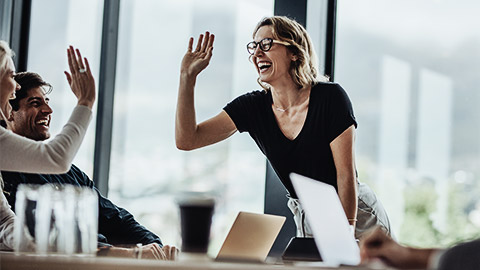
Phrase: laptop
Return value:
(251, 237)
(328, 221)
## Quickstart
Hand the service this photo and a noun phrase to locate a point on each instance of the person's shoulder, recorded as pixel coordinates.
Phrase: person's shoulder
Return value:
(74, 170)
(253, 97)
(78, 177)
(329, 89)
(330, 92)
(255, 94)
(327, 86)
(4, 131)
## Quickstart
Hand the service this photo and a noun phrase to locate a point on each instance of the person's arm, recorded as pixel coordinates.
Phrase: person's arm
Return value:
(189, 135)
(377, 245)
(120, 227)
(21, 154)
(115, 225)
(53, 157)
(344, 155)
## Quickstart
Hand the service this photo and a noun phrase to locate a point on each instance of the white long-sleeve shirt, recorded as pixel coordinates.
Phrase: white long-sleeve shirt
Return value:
(24, 155)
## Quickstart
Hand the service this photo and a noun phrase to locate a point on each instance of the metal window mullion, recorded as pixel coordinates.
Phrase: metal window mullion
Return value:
(20, 32)
(330, 39)
(5, 19)
(296, 10)
(106, 91)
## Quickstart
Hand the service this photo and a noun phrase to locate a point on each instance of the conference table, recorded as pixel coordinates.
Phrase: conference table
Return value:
(11, 261)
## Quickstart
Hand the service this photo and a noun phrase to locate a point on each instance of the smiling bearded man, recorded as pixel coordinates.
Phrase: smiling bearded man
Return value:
(33, 121)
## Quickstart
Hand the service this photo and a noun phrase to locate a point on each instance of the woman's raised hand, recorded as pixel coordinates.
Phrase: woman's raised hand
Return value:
(80, 78)
(195, 61)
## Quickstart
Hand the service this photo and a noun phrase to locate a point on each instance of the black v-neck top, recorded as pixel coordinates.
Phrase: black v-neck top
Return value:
(329, 113)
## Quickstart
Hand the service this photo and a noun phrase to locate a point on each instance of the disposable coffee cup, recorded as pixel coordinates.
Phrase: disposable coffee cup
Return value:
(196, 211)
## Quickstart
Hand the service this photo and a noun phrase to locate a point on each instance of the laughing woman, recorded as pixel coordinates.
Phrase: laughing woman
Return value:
(301, 123)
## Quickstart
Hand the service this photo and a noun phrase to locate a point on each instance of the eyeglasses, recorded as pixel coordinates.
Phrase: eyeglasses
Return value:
(265, 45)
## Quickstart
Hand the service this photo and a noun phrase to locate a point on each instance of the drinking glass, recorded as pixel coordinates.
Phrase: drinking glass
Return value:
(64, 220)
(25, 210)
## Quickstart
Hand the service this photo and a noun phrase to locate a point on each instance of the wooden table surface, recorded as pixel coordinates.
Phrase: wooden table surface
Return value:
(11, 261)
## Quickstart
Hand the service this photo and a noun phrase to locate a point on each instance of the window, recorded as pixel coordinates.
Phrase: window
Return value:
(5, 19)
(56, 24)
(147, 170)
(317, 28)
(411, 70)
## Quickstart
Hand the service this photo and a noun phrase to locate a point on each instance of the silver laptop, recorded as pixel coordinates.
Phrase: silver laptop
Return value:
(328, 221)
(251, 237)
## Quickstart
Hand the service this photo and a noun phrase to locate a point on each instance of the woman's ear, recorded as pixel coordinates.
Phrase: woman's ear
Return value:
(294, 58)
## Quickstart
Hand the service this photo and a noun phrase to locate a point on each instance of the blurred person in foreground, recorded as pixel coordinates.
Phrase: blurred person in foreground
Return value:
(30, 118)
(378, 246)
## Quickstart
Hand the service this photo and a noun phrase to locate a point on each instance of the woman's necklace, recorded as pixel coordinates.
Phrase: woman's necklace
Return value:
(293, 103)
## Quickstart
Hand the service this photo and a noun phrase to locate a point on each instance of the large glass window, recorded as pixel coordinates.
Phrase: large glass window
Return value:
(411, 69)
(147, 170)
(317, 27)
(5, 19)
(56, 24)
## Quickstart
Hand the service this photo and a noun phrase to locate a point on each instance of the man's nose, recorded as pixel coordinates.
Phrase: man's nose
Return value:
(47, 109)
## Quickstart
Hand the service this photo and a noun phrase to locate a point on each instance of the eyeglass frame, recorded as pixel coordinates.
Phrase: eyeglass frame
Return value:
(272, 41)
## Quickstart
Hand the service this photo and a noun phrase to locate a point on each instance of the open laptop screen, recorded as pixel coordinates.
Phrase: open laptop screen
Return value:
(328, 222)
(251, 237)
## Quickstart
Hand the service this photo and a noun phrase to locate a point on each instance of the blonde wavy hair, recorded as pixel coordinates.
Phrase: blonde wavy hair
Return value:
(5, 54)
(304, 70)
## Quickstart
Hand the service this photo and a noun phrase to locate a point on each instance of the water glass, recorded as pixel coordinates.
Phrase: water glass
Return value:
(25, 210)
(63, 219)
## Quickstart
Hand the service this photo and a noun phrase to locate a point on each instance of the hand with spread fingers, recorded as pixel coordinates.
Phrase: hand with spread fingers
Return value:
(195, 61)
(80, 78)
(377, 245)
